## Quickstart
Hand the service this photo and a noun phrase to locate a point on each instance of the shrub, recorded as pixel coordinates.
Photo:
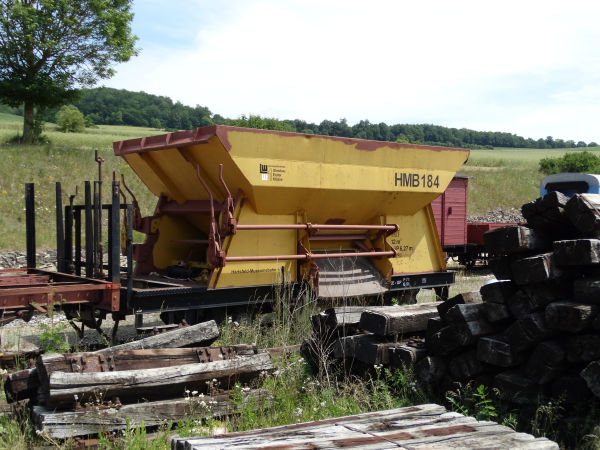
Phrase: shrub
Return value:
(584, 162)
(70, 119)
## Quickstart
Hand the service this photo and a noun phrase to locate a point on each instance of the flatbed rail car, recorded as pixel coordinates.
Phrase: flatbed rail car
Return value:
(242, 210)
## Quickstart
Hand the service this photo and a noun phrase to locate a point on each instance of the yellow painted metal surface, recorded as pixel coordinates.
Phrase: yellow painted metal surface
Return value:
(286, 178)
(250, 243)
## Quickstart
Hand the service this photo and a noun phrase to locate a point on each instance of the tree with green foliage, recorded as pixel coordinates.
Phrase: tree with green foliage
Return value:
(70, 119)
(583, 162)
(264, 123)
(50, 48)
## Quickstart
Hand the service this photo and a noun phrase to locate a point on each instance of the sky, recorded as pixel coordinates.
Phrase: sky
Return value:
(526, 67)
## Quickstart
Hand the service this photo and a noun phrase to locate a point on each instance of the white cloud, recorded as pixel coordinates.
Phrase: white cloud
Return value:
(509, 66)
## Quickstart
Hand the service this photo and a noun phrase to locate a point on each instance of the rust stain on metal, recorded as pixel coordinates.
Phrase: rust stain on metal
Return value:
(202, 135)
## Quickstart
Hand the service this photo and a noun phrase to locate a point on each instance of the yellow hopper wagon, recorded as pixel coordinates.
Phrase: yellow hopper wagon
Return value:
(243, 210)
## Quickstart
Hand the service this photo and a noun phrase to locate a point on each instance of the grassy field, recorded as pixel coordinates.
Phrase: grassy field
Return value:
(507, 177)
(501, 178)
(68, 158)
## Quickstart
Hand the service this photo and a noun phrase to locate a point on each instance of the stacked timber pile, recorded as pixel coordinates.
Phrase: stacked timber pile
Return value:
(80, 394)
(360, 336)
(537, 329)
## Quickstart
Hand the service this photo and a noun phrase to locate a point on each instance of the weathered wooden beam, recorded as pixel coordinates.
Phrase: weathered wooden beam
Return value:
(591, 375)
(546, 362)
(464, 298)
(466, 366)
(407, 354)
(93, 420)
(372, 350)
(431, 370)
(457, 335)
(21, 385)
(514, 385)
(570, 316)
(535, 269)
(346, 346)
(582, 348)
(497, 291)
(528, 331)
(583, 211)
(536, 297)
(465, 313)
(448, 339)
(571, 388)
(497, 351)
(577, 252)
(398, 320)
(138, 359)
(496, 312)
(515, 239)
(547, 212)
(152, 383)
(201, 334)
(587, 290)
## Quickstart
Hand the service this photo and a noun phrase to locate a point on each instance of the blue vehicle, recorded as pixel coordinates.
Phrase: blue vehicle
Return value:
(571, 184)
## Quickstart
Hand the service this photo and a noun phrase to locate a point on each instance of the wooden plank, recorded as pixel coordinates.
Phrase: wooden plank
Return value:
(152, 383)
(91, 421)
(497, 351)
(583, 211)
(464, 298)
(139, 359)
(398, 320)
(516, 239)
(201, 334)
(570, 316)
(411, 427)
(577, 252)
(535, 269)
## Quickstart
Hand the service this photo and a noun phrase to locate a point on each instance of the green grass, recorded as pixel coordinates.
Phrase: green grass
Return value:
(511, 157)
(507, 177)
(68, 158)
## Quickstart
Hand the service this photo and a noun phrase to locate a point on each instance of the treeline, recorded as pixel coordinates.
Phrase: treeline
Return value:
(107, 106)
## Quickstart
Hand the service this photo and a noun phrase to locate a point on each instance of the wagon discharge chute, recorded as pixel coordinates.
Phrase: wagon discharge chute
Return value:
(241, 208)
